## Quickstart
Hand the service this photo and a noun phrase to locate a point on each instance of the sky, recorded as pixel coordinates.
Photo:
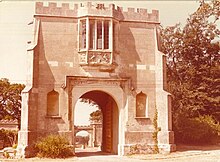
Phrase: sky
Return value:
(82, 113)
(15, 33)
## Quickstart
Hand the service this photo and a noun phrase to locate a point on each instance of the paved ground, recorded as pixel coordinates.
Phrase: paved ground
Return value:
(183, 154)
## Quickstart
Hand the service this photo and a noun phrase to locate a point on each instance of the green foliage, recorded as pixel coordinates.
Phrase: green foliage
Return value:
(155, 133)
(10, 100)
(15, 146)
(193, 65)
(141, 149)
(96, 116)
(9, 137)
(54, 146)
(88, 101)
(198, 130)
(6, 155)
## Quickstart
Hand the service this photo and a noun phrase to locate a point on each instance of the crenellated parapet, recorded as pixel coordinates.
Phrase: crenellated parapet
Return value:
(53, 10)
(96, 9)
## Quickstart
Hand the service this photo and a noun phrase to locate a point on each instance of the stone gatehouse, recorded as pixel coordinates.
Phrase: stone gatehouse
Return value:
(102, 53)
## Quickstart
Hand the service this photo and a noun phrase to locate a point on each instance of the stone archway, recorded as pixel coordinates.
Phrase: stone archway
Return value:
(110, 113)
(112, 90)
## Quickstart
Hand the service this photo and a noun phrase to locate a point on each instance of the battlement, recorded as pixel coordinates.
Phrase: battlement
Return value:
(95, 9)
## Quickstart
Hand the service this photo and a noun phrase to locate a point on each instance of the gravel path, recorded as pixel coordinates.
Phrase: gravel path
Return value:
(183, 154)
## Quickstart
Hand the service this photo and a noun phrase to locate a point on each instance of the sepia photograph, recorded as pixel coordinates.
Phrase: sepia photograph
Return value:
(110, 80)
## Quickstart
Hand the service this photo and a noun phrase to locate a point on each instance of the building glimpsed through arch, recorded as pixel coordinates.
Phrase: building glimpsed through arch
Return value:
(83, 122)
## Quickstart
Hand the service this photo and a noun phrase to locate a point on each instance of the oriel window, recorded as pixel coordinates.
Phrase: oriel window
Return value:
(97, 31)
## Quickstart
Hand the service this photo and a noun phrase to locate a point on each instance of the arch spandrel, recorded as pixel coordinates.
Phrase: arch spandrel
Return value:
(116, 88)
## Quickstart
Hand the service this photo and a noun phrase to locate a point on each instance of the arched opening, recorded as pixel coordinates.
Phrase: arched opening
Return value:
(53, 103)
(141, 105)
(109, 129)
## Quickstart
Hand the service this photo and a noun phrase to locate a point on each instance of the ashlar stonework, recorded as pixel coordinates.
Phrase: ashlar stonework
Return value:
(102, 53)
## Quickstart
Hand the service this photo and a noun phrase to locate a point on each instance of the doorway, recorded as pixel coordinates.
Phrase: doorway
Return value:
(110, 119)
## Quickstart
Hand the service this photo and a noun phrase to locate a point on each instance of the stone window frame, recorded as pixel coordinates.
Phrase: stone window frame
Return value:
(84, 32)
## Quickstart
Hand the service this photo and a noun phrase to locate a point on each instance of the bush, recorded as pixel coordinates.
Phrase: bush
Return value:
(9, 137)
(15, 146)
(198, 130)
(54, 146)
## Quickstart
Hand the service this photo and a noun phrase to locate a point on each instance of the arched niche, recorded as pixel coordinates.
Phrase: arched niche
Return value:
(141, 104)
(53, 103)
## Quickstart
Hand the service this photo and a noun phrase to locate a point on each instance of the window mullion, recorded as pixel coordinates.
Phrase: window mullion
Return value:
(95, 35)
(111, 39)
(87, 33)
(103, 34)
(79, 33)
(111, 35)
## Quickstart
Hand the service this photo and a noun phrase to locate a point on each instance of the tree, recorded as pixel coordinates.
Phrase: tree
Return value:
(88, 101)
(193, 64)
(10, 100)
(96, 116)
